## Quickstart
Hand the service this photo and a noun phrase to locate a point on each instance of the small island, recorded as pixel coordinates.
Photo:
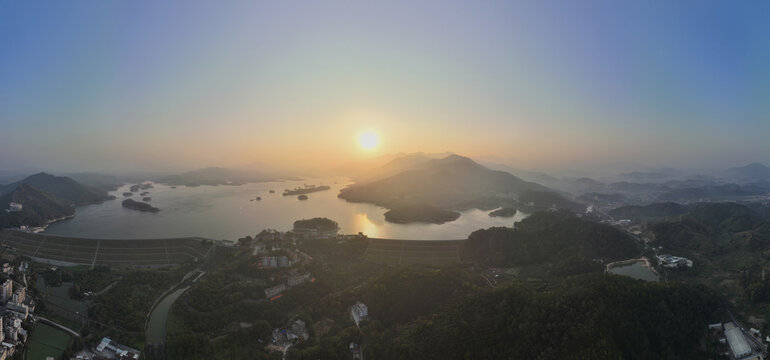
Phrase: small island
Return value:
(135, 188)
(302, 197)
(503, 212)
(305, 190)
(139, 206)
(420, 213)
(316, 227)
(146, 198)
(127, 194)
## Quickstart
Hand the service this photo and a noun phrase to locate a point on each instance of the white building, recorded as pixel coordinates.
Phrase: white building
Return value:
(110, 349)
(14, 207)
(738, 344)
(671, 261)
(359, 311)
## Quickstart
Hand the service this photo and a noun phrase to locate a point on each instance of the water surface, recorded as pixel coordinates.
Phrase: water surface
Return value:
(227, 212)
(156, 327)
(636, 270)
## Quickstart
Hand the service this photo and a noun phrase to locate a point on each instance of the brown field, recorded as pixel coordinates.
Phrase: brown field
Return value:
(411, 252)
(152, 252)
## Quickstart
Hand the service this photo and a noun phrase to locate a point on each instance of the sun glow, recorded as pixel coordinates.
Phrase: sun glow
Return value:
(368, 140)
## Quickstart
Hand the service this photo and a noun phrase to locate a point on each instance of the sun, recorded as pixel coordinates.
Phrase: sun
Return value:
(368, 140)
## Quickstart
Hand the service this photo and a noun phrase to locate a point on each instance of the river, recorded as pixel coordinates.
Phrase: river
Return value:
(228, 212)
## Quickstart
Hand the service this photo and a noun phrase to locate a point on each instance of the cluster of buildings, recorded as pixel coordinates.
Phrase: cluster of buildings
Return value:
(296, 332)
(17, 307)
(275, 292)
(109, 349)
(314, 233)
(671, 261)
(359, 312)
(273, 262)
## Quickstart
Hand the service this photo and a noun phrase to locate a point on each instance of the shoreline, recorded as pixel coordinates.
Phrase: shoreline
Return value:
(40, 229)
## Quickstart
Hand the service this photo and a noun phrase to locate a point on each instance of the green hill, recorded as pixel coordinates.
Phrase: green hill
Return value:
(652, 211)
(549, 237)
(61, 188)
(38, 208)
(585, 317)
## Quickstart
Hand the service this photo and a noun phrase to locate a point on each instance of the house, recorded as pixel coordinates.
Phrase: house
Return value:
(275, 290)
(298, 279)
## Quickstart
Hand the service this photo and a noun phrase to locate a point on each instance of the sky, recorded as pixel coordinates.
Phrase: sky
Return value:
(167, 85)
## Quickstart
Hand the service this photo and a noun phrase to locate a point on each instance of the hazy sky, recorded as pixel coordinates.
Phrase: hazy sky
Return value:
(172, 85)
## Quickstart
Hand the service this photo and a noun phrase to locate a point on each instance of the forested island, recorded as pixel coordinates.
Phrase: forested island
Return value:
(420, 213)
(139, 206)
(305, 190)
(503, 212)
(319, 224)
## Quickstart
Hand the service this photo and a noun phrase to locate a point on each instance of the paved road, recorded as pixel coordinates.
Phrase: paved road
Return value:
(60, 326)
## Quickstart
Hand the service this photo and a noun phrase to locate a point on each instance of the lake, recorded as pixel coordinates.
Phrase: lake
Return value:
(227, 212)
(636, 270)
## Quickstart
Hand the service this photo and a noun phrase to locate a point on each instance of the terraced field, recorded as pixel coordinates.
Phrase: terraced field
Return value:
(408, 252)
(139, 253)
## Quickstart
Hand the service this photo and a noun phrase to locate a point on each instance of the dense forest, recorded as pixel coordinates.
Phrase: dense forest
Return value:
(585, 317)
(549, 237)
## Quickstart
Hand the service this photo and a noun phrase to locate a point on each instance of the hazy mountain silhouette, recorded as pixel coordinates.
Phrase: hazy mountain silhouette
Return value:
(61, 188)
(445, 182)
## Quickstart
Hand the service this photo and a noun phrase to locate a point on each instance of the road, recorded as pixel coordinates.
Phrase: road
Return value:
(57, 325)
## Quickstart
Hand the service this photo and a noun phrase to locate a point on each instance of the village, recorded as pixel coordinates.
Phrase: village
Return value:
(277, 251)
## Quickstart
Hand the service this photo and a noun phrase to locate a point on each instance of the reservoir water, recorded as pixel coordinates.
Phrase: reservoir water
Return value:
(228, 212)
(636, 270)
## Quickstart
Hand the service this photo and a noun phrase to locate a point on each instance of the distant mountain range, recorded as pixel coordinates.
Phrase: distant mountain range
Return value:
(454, 182)
(750, 173)
(221, 176)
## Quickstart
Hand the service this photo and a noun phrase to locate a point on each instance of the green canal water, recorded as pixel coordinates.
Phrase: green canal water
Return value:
(636, 270)
(156, 327)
